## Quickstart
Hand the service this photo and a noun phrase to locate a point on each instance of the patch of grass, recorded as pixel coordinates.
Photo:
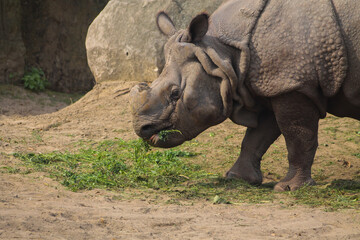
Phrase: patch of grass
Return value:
(114, 164)
(337, 195)
(179, 174)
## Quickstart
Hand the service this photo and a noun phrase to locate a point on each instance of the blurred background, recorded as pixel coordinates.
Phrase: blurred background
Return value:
(48, 35)
(45, 40)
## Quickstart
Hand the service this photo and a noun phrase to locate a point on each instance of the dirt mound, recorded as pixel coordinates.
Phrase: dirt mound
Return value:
(102, 113)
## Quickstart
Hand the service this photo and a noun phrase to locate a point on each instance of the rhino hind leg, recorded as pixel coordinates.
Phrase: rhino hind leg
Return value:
(255, 143)
(298, 120)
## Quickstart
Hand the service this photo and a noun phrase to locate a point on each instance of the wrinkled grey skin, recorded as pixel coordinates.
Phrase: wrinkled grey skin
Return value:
(302, 59)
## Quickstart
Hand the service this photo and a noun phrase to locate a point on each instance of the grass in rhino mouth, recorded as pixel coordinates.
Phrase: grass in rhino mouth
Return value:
(122, 165)
(164, 134)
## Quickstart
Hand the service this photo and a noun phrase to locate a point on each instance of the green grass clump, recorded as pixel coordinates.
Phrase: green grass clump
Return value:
(163, 134)
(114, 164)
(34, 79)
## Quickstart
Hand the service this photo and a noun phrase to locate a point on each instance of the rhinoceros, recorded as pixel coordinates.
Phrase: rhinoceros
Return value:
(274, 66)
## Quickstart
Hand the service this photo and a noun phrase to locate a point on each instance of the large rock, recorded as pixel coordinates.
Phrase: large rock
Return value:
(123, 42)
(12, 49)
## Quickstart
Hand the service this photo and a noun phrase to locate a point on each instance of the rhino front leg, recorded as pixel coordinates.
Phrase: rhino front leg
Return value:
(255, 144)
(298, 120)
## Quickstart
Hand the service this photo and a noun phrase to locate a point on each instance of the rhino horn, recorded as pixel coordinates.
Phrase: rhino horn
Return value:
(138, 96)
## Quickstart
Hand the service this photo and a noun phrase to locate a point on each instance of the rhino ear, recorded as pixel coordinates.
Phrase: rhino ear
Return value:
(165, 24)
(198, 27)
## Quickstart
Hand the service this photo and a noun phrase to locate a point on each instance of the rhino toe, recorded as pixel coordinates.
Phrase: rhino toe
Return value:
(254, 179)
(293, 185)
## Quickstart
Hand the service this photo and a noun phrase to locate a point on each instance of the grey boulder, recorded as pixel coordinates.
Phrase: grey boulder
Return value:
(123, 42)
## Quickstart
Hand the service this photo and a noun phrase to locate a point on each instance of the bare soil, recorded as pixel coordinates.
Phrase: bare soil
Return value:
(34, 206)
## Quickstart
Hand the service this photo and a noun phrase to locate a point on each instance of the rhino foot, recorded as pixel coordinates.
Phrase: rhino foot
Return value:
(293, 184)
(254, 178)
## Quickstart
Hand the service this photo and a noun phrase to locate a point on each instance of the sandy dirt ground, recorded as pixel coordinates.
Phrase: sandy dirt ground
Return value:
(34, 206)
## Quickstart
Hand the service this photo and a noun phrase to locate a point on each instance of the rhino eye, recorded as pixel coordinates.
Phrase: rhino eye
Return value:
(175, 94)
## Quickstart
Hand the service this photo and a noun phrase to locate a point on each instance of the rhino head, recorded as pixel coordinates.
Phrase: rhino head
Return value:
(191, 94)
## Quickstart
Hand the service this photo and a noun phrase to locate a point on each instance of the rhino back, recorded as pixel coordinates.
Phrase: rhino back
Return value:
(234, 19)
(298, 46)
(349, 20)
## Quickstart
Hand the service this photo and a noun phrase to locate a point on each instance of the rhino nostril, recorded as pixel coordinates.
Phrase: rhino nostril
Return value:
(147, 130)
(138, 89)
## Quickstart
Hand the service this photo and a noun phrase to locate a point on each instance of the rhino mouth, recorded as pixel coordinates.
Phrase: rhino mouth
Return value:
(161, 136)
(165, 135)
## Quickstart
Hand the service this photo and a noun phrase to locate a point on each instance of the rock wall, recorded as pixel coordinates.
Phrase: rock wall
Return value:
(12, 49)
(54, 34)
(123, 42)
(49, 34)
